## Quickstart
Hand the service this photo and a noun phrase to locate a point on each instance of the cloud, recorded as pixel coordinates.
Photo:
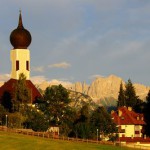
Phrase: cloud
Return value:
(4, 77)
(38, 69)
(38, 79)
(95, 76)
(57, 82)
(63, 65)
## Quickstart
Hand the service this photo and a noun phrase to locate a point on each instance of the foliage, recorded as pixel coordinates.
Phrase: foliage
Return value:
(130, 95)
(146, 114)
(101, 121)
(34, 118)
(7, 101)
(67, 121)
(121, 97)
(81, 126)
(15, 120)
(39, 122)
(2, 115)
(21, 94)
(56, 102)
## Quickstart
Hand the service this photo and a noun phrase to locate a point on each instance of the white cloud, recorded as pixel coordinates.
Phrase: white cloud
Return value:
(57, 82)
(38, 79)
(95, 76)
(38, 69)
(63, 65)
(4, 77)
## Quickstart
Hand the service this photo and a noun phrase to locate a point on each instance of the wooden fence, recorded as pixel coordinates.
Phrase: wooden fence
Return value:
(51, 135)
(29, 132)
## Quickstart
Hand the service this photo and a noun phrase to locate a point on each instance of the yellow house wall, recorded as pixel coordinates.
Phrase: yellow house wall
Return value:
(22, 55)
(129, 130)
(140, 131)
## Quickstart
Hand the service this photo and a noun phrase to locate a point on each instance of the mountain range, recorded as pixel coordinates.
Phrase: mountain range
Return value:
(102, 90)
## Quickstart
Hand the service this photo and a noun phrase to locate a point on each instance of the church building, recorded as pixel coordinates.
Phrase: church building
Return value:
(20, 38)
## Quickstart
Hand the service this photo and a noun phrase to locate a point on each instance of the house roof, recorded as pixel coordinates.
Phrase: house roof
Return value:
(9, 86)
(126, 116)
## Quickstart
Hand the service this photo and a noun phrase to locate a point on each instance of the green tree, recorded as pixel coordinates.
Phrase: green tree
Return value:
(39, 122)
(131, 99)
(121, 97)
(81, 126)
(146, 114)
(21, 94)
(2, 115)
(55, 106)
(15, 120)
(101, 121)
(7, 101)
(34, 118)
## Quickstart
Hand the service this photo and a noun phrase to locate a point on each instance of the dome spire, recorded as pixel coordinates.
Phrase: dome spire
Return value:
(20, 24)
(20, 38)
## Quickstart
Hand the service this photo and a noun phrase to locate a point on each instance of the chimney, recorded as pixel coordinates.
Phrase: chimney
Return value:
(119, 113)
(130, 108)
(112, 111)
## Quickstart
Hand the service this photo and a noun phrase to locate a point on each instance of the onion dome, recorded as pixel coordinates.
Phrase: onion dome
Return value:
(20, 38)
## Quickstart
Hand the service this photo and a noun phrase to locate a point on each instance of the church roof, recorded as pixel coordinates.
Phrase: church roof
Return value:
(20, 38)
(126, 116)
(9, 86)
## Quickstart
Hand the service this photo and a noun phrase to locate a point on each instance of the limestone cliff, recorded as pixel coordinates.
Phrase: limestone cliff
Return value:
(102, 89)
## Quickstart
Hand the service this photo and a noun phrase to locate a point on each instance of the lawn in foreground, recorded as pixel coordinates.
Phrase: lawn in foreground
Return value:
(12, 141)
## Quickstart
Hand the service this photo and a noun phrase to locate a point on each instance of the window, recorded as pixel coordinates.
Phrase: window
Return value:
(27, 65)
(17, 65)
(137, 132)
(122, 118)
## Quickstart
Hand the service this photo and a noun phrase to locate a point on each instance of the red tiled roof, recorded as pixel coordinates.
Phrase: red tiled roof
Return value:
(127, 117)
(9, 86)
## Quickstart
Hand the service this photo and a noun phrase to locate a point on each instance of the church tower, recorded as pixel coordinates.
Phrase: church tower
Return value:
(20, 39)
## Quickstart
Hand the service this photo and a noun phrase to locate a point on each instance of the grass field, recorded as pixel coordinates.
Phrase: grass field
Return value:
(12, 141)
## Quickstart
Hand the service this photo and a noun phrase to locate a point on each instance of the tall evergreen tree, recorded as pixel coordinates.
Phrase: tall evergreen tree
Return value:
(146, 114)
(130, 95)
(121, 97)
(22, 93)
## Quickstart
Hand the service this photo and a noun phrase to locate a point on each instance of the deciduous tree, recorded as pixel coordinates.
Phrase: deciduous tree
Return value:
(101, 121)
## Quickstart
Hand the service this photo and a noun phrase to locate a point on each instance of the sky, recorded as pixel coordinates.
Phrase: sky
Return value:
(79, 40)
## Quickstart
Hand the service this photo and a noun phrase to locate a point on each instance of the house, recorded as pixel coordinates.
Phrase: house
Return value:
(129, 123)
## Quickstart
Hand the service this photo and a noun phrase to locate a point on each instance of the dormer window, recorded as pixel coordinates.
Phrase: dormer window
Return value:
(122, 118)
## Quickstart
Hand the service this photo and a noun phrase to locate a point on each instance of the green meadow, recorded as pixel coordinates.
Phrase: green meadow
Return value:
(12, 141)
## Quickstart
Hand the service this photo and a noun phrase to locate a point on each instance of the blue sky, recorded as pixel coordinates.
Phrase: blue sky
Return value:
(77, 40)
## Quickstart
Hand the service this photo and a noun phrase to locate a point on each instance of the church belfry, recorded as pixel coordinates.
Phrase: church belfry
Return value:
(20, 39)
